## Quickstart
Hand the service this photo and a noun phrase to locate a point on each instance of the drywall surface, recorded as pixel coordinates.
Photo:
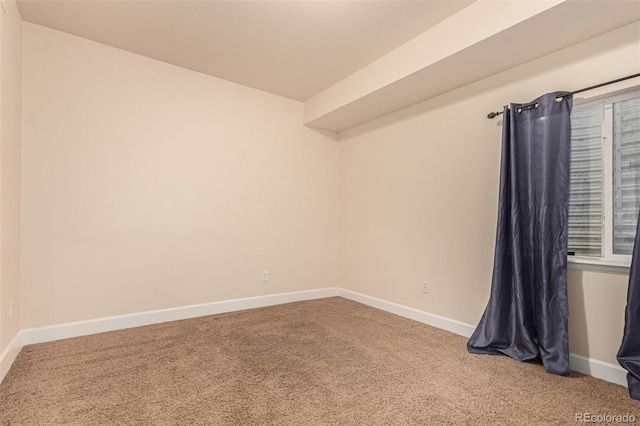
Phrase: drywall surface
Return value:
(419, 191)
(148, 186)
(10, 140)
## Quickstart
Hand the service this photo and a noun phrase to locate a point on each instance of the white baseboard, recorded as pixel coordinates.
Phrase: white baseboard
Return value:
(592, 367)
(437, 321)
(10, 354)
(599, 369)
(100, 325)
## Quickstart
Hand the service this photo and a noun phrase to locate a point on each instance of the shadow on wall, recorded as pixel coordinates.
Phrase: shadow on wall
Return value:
(577, 314)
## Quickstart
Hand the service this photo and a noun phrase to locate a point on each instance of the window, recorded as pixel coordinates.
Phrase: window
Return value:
(605, 179)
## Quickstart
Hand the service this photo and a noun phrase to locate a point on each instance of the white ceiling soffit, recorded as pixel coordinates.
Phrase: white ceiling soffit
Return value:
(483, 39)
(291, 48)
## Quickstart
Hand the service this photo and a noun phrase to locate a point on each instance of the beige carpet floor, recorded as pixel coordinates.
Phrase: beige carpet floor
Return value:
(329, 361)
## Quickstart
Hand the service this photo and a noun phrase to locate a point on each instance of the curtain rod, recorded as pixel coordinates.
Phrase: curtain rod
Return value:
(492, 115)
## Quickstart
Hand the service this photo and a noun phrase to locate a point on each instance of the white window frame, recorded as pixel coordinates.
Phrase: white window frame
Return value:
(609, 262)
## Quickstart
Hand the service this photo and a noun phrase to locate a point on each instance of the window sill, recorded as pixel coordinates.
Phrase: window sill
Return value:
(598, 265)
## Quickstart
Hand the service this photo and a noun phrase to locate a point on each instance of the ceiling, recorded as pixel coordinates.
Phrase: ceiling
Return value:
(292, 48)
(349, 61)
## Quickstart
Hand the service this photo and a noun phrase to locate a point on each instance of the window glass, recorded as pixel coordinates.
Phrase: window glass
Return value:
(586, 199)
(626, 174)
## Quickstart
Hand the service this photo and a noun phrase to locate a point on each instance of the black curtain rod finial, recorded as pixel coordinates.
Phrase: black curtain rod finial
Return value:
(493, 115)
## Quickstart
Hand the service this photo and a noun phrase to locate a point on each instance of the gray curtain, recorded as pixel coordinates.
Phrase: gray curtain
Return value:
(629, 353)
(527, 314)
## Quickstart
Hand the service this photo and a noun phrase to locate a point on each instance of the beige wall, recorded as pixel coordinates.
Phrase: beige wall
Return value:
(418, 196)
(148, 186)
(10, 140)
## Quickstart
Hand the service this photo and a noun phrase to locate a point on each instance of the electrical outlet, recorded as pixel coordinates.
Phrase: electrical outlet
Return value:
(424, 287)
(264, 276)
(10, 309)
